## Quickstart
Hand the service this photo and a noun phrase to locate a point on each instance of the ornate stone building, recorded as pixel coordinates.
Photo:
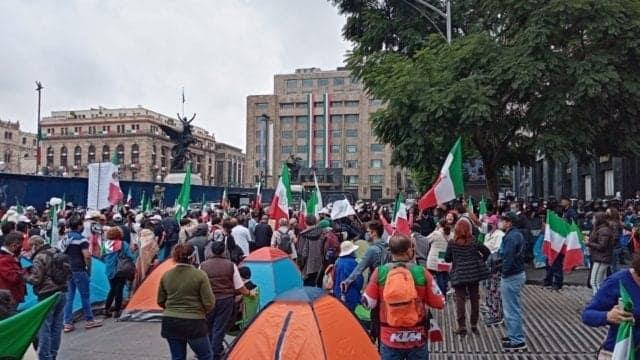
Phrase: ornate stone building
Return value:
(17, 148)
(230, 166)
(73, 139)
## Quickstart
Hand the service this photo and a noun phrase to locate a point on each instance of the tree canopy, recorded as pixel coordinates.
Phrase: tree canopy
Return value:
(519, 78)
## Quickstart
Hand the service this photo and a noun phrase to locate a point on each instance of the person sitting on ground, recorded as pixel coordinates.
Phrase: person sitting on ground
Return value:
(285, 239)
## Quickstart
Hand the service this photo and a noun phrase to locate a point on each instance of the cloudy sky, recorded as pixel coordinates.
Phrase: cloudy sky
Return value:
(114, 53)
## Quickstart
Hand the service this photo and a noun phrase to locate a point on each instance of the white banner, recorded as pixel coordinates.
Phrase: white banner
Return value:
(100, 176)
(341, 209)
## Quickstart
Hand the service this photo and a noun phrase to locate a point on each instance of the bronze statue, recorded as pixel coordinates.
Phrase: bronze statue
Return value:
(158, 197)
(180, 151)
(293, 163)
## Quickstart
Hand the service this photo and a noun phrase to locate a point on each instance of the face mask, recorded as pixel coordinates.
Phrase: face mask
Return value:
(501, 225)
(367, 237)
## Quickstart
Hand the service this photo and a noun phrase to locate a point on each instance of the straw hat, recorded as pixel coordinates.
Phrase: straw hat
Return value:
(347, 247)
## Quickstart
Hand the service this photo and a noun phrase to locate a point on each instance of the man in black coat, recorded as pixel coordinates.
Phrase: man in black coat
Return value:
(263, 233)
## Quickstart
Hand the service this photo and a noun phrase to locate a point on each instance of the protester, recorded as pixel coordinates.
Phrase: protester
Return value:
(48, 278)
(79, 254)
(171, 236)
(330, 244)
(421, 245)
(601, 244)
(6, 228)
(493, 300)
(344, 266)
(263, 233)
(438, 241)
(311, 252)
(512, 252)
(604, 309)
(403, 308)
(241, 235)
(377, 254)
(468, 268)
(146, 255)
(225, 280)
(116, 249)
(186, 297)
(285, 239)
(199, 240)
(10, 270)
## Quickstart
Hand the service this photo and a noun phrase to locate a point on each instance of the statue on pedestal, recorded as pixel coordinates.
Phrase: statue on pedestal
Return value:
(183, 139)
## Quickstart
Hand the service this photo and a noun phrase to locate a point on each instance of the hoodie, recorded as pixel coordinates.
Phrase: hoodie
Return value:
(311, 245)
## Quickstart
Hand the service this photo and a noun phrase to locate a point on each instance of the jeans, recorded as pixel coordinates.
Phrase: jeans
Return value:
(420, 353)
(80, 281)
(598, 274)
(116, 291)
(201, 346)
(511, 289)
(554, 275)
(218, 321)
(50, 332)
(462, 291)
(442, 279)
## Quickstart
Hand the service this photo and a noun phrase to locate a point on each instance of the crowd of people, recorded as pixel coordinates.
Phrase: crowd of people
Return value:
(361, 259)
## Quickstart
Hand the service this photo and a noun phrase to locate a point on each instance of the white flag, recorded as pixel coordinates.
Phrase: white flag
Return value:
(341, 209)
(100, 176)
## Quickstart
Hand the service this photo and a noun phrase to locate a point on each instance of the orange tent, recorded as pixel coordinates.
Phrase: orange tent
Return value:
(304, 323)
(143, 305)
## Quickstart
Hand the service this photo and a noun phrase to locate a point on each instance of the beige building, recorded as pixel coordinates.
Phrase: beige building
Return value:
(74, 139)
(18, 149)
(322, 117)
(230, 166)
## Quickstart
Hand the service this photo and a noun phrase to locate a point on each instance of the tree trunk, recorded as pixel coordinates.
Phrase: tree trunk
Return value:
(493, 182)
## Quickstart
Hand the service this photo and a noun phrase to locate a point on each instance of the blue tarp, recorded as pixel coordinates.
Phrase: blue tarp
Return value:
(99, 286)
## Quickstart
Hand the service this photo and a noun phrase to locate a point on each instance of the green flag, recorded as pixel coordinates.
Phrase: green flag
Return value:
(17, 331)
(470, 206)
(482, 207)
(624, 348)
(312, 203)
(182, 204)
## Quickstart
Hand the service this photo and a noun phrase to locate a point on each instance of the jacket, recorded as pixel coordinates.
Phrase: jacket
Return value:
(467, 263)
(39, 274)
(512, 251)
(11, 276)
(437, 246)
(220, 271)
(601, 244)
(262, 235)
(422, 248)
(111, 260)
(199, 241)
(373, 257)
(344, 266)
(312, 254)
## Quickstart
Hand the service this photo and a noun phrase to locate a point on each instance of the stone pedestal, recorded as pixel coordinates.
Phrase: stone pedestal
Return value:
(178, 178)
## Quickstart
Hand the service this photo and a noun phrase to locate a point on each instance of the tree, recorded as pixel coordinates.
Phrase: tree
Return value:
(520, 78)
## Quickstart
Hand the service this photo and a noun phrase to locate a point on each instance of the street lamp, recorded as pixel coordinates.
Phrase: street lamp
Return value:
(265, 137)
(446, 15)
(39, 88)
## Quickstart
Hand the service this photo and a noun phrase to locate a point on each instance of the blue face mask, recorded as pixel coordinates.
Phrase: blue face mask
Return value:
(367, 237)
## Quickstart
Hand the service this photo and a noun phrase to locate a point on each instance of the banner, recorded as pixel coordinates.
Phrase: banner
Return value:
(100, 177)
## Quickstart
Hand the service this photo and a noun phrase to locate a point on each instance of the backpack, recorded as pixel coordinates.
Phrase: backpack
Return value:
(329, 248)
(400, 296)
(285, 243)
(125, 267)
(59, 267)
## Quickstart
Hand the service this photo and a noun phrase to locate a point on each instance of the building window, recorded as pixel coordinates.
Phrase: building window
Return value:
(135, 154)
(376, 179)
(376, 163)
(609, 189)
(63, 156)
(352, 133)
(318, 121)
(302, 149)
(335, 149)
(106, 153)
(352, 103)
(355, 80)
(336, 133)
(307, 83)
(336, 119)
(292, 84)
(323, 82)
(262, 106)
(377, 147)
(319, 149)
(351, 180)
(50, 156)
(286, 149)
(7, 157)
(318, 163)
(339, 81)
(120, 154)
(287, 134)
(286, 120)
(336, 104)
(77, 156)
(301, 105)
(318, 134)
(24, 141)
(302, 120)
(351, 164)
(351, 149)
(92, 154)
(351, 118)
(301, 134)
(163, 156)
(283, 106)
(336, 164)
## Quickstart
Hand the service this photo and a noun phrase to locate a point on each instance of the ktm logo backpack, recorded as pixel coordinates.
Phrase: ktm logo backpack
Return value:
(401, 297)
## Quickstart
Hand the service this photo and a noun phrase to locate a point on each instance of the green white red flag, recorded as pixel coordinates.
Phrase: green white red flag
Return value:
(561, 237)
(449, 184)
(400, 218)
(282, 197)
(624, 348)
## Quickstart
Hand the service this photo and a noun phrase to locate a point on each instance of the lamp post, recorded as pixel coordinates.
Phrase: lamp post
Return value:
(265, 139)
(39, 88)
(446, 15)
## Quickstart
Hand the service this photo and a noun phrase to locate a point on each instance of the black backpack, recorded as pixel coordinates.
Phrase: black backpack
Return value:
(285, 242)
(60, 267)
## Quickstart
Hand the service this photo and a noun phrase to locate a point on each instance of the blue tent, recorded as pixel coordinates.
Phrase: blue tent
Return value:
(99, 286)
(273, 272)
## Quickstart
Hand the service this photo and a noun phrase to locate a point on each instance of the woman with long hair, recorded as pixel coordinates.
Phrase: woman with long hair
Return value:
(438, 241)
(601, 245)
(114, 248)
(148, 250)
(467, 258)
(186, 297)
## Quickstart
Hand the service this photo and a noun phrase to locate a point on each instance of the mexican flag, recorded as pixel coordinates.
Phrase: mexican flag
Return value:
(562, 237)
(624, 348)
(302, 213)
(258, 202)
(400, 218)
(318, 196)
(129, 197)
(312, 204)
(449, 184)
(182, 203)
(115, 193)
(17, 332)
(282, 197)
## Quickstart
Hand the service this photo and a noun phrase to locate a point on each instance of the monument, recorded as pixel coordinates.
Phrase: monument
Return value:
(180, 154)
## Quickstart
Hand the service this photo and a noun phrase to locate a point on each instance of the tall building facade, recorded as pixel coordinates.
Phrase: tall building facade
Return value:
(73, 139)
(229, 166)
(322, 118)
(17, 148)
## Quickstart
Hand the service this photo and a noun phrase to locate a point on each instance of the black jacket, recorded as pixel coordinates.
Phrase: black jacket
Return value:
(263, 233)
(468, 263)
(601, 244)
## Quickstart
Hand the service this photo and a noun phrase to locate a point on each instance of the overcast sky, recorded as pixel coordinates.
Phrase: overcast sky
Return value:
(117, 53)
